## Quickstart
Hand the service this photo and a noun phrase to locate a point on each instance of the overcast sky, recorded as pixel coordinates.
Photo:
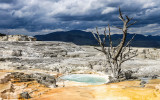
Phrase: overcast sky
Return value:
(33, 17)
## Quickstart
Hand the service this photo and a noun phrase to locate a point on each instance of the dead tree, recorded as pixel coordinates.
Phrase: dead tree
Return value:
(115, 56)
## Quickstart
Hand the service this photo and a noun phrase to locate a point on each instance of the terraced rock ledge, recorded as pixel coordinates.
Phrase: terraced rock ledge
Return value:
(32, 70)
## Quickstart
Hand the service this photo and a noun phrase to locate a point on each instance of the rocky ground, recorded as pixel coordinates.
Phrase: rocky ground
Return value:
(128, 90)
(30, 69)
(69, 58)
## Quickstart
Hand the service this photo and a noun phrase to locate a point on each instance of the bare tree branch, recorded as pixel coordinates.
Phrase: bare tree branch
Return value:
(110, 40)
(120, 15)
(95, 36)
(105, 36)
(129, 58)
(129, 42)
(100, 41)
(131, 24)
(115, 56)
(129, 19)
(98, 49)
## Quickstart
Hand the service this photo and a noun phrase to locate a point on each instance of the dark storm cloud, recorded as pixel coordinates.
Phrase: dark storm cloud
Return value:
(7, 1)
(38, 15)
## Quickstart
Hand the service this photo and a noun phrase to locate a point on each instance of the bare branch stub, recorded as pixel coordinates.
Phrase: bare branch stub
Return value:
(115, 56)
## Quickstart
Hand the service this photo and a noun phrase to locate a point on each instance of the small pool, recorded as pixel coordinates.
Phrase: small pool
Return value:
(86, 78)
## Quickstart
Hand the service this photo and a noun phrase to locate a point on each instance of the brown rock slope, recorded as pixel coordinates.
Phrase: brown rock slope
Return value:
(128, 90)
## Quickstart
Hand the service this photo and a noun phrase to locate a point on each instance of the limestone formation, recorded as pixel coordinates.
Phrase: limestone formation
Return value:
(33, 67)
(4, 77)
(42, 78)
(25, 95)
(17, 38)
(151, 53)
(5, 84)
(68, 58)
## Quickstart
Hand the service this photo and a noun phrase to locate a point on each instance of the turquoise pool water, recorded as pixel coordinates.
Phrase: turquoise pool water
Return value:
(86, 78)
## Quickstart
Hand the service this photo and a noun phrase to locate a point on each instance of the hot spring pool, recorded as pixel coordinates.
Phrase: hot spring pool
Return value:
(86, 78)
